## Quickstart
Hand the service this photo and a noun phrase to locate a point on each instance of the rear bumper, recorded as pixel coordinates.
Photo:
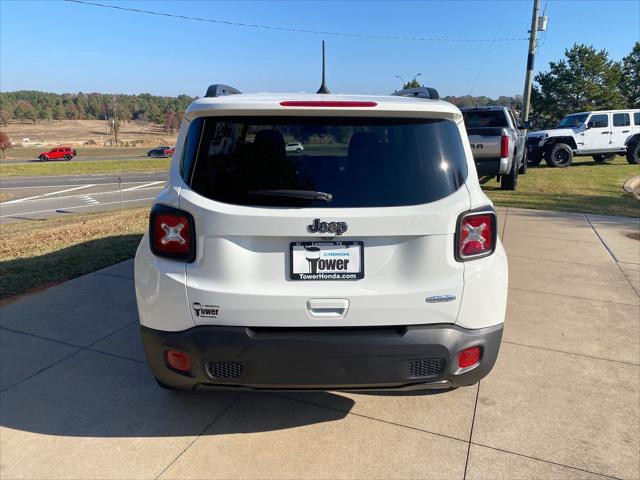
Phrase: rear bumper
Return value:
(492, 166)
(377, 358)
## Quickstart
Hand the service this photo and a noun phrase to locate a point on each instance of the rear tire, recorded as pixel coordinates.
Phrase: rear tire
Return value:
(534, 161)
(43, 158)
(633, 153)
(510, 180)
(603, 157)
(67, 157)
(523, 167)
(558, 155)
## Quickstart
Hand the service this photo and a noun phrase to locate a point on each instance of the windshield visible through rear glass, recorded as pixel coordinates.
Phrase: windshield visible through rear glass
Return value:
(572, 121)
(341, 162)
(485, 118)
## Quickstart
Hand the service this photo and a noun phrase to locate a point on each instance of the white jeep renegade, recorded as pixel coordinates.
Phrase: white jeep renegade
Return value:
(369, 260)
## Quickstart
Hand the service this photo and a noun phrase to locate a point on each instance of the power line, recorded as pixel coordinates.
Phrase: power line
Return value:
(297, 30)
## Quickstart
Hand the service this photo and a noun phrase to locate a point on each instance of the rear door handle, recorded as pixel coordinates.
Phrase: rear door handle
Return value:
(626, 131)
(327, 307)
(605, 133)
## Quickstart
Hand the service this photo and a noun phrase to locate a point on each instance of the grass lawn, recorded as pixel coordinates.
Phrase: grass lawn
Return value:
(78, 168)
(31, 153)
(39, 253)
(583, 187)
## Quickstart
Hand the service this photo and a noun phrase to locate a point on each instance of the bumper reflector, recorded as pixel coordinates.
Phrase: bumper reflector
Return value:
(178, 360)
(469, 357)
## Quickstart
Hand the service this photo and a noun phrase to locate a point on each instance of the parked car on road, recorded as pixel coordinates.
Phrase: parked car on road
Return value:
(294, 147)
(497, 143)
(162, 152)
(375, 265)
(600, 134)
(58, 153)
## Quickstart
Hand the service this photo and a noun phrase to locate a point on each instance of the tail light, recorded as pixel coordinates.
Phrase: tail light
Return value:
(172, 233)
(469, 357)
(179, 360)
(504, 146)
(476, 235)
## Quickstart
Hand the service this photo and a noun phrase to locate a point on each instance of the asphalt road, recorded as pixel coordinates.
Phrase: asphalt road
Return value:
(30, 198)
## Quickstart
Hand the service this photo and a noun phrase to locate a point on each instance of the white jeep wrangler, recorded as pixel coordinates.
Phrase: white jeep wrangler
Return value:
(601, 134)
(368, 260)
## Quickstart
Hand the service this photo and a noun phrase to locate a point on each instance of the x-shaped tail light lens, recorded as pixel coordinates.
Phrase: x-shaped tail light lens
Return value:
(476, 235)
(171, 233)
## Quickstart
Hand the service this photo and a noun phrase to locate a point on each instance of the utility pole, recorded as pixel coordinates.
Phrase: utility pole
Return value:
(533, 33)
(115, 123)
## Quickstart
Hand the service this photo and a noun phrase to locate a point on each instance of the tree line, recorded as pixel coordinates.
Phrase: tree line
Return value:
(34, 106)
(586, 79)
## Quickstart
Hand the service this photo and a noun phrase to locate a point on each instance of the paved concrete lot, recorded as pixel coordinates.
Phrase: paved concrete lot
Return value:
(77, 400)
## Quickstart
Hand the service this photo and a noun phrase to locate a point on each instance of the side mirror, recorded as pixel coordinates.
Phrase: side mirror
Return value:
(587, 126)
(526, 125)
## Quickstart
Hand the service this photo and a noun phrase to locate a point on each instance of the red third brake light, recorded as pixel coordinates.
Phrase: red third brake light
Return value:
(504, 146)
(325, 103)
(171, 233)
(476, 235)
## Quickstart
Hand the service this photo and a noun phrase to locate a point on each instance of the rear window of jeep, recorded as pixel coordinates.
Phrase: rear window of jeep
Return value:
(347, 162)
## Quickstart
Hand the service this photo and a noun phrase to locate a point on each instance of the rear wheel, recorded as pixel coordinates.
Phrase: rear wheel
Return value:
(43, 158)
(633, 153)
(603, 157)
(558, 155)
(534, 160)
(510, 180)
(67, 157)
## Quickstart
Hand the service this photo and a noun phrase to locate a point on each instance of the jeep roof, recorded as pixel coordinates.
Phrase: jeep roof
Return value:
(271, 104)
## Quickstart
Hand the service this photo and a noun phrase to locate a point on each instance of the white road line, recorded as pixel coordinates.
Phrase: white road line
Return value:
(143, 186)
(49, 194)
(40, 197)
(70, 185)
(90, 200)
(73, 208)
(70, 189)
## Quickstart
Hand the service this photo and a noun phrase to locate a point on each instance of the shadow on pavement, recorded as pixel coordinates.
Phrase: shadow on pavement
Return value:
(90, 394)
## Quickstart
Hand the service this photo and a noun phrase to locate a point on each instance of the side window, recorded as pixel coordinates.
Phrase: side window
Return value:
(191, 144)
(599, 121)
(636, 118)
(621, 120)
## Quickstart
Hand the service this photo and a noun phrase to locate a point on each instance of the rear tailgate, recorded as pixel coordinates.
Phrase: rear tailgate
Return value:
(485, 142)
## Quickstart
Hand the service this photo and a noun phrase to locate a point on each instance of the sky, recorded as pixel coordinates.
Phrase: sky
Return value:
(64, 47)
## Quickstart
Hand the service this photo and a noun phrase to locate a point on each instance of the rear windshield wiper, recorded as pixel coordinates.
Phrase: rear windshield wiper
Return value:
(306, 194)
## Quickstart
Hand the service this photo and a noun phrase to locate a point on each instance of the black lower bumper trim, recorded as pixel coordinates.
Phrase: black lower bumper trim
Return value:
(322, 358)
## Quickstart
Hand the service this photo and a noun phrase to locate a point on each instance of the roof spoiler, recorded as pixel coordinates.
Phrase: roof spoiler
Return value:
(421, 92)
(220, 90)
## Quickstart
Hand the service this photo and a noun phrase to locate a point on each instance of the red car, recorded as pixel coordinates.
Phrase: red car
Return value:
(58, 153)
(162, 152)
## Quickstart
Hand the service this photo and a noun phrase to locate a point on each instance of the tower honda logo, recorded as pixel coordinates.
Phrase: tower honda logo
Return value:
(210, 311)
(327, 227)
